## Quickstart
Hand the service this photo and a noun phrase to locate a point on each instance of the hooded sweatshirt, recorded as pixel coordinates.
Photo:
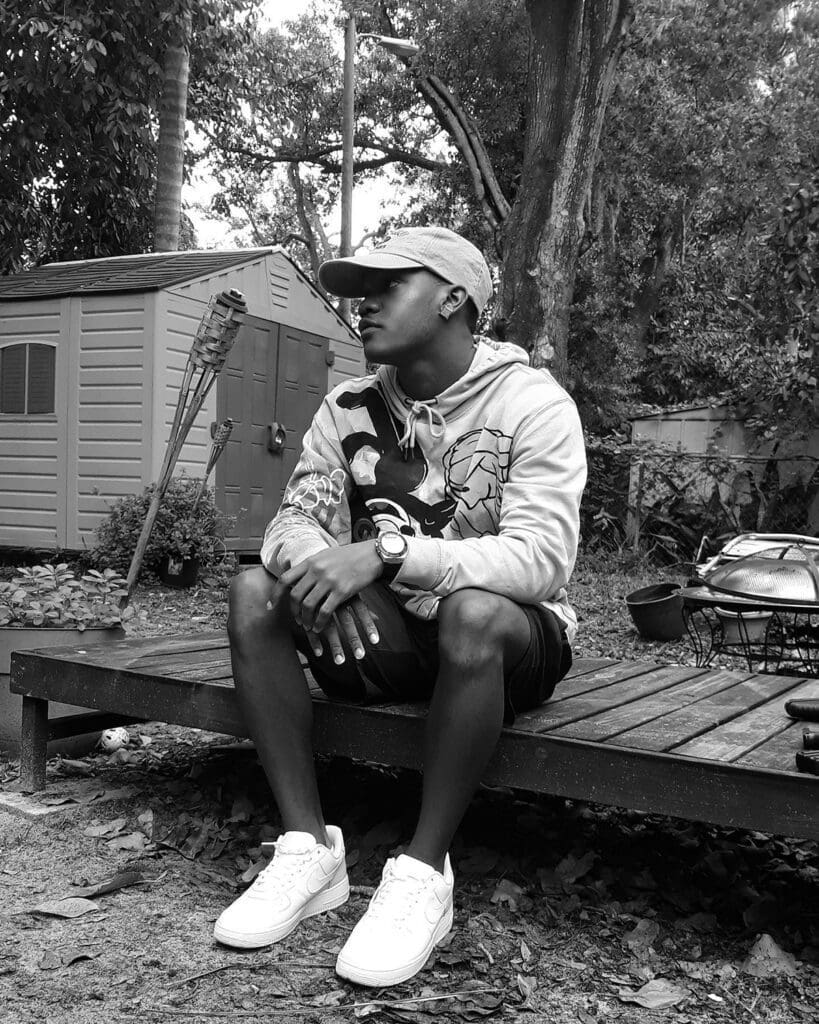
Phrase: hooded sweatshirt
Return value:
(484, 480)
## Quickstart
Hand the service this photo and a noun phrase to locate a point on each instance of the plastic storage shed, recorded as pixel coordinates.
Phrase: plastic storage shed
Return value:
(91, 356)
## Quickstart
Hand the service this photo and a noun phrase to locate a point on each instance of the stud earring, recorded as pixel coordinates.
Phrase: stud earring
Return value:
(444, 313)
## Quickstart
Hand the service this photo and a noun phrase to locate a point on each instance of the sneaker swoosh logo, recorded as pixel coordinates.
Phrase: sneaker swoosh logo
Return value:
(317, 880)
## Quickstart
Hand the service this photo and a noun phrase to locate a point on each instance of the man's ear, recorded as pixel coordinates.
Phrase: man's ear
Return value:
(454, 300)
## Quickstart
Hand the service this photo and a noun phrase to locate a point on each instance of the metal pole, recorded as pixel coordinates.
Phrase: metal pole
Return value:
(347, 131)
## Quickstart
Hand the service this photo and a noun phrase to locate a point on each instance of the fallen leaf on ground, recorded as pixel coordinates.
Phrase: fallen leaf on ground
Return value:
(107, 828)
(98, 794)
(120, 881)
(697, 971)
(71, 906)
(334, 998)
(71, 767)
(254, 869)
(123, 756)
(767, 960)
(642, 936)
(53, 959)
(242, 809)
(655, 995)
(507, 891)
(135, 841)
(571, 868)
(527, 984)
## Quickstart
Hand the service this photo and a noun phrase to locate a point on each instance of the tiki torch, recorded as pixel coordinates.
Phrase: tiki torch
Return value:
(220, 439)
(213, 341)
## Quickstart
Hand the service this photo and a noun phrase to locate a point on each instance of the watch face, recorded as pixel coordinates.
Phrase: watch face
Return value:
(393, 543)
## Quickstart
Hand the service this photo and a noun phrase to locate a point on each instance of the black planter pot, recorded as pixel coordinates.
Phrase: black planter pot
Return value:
(179, 572)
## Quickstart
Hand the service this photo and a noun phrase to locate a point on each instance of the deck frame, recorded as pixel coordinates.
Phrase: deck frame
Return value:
(580, 745)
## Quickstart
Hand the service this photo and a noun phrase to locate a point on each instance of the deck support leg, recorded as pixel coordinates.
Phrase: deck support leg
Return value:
(33, 741)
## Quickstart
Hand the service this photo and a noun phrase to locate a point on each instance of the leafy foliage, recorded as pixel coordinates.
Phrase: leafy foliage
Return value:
(796, 241)
(53, 596)
(79, 93)
(182, 529)
(664, 502)
(76, 152)
(679, 287)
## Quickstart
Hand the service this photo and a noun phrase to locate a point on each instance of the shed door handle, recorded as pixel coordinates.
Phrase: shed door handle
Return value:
(276, 436)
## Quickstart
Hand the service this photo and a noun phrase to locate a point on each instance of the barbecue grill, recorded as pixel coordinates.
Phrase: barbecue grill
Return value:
(758, 599)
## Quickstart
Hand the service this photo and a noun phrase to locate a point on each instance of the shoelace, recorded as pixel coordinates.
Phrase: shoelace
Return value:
(416, 410)
(282, 869)
(396, 898)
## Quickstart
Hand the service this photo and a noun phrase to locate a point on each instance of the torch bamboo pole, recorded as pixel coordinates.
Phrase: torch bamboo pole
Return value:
(209, 351)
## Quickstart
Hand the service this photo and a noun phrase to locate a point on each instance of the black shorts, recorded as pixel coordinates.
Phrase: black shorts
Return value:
(403, 665)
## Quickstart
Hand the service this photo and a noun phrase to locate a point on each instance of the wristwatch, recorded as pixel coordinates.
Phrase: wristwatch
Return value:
(392, 549)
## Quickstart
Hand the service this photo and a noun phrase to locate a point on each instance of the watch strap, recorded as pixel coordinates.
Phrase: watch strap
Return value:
(389, 570)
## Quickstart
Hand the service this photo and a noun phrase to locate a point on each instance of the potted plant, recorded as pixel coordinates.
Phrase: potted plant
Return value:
(186, 535)
(188, 543)
(50, 606)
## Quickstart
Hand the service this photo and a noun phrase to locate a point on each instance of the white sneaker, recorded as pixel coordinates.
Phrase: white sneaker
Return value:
(410, 912)
(302, 879)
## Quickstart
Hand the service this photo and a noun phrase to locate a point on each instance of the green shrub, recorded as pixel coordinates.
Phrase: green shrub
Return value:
(178, 530)
(52, 595)
(676, 503)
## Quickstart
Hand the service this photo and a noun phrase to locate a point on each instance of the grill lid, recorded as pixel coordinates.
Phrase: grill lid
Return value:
(784, 574)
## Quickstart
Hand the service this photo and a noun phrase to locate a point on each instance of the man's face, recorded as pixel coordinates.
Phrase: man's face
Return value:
(399, 318)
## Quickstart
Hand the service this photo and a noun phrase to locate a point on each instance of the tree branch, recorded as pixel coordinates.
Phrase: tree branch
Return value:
(317, 155)
(456, 122)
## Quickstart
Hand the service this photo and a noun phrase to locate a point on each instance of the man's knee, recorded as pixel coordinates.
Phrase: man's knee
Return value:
(256, 601)
(474, 624)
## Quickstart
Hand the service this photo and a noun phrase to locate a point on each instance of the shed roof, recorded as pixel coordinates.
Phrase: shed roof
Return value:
(144, 272)
(658, 412)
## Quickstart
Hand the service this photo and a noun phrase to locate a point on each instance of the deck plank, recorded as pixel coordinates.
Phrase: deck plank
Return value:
(777, 750)
(625, 770)
(739, 735)
(621, 718)
(153, 648)
(562, 711)
(613, 672)
(671, 732)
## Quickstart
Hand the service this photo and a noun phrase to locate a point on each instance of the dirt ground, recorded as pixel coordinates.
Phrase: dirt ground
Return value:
(565, 912)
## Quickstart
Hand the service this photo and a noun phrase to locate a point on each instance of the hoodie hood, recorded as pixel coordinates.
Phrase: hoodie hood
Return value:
(492, 361)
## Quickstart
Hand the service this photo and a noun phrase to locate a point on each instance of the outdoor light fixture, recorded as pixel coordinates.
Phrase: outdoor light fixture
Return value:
(399, 47)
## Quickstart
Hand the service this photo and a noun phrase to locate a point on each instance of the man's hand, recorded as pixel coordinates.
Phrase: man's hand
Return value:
(327, 584)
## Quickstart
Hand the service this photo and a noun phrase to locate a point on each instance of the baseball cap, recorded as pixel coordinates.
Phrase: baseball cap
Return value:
(440, 250)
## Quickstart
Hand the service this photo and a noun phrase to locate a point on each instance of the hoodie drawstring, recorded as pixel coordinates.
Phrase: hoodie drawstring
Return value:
(416, 409)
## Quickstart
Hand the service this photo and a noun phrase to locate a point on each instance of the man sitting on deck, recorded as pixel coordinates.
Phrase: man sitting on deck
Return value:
(421, 551)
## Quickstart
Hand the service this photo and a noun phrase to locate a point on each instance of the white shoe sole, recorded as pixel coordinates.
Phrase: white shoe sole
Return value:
(364, 976)
(328, 899)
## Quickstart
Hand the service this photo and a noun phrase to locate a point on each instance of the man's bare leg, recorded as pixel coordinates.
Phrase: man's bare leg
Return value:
(274, 697)
(481, 636)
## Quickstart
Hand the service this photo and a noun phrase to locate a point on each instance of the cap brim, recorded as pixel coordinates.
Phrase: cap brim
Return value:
(349, 275)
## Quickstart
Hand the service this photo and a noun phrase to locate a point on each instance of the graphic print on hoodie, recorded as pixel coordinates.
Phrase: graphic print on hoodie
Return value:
(484, 480)
(389, 476)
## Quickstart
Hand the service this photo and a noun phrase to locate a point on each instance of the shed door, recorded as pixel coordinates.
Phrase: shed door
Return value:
(274, 375)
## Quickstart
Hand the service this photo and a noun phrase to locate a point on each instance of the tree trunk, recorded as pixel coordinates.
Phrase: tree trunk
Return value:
(574, 52)
(313, 234)
(171, 146)
(667, 239)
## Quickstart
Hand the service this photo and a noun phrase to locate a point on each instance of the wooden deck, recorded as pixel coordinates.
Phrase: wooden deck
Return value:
(710, 745)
